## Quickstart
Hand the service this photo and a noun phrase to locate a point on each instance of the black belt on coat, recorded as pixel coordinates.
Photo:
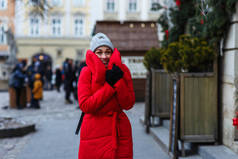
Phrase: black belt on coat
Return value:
(79, 123)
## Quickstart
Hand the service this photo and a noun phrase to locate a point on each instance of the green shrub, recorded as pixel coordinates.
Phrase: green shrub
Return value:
(152, 58)
(188, 54)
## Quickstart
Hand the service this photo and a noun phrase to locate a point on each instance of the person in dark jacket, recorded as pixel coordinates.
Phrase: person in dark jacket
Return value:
(58, 79)
(48, 76)
(105, 89)
(77, 74)
(18, 84)
(69, 78)
(30, 75)
(81, 66)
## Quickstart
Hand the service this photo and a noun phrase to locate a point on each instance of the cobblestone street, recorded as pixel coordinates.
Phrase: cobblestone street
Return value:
(55, 126)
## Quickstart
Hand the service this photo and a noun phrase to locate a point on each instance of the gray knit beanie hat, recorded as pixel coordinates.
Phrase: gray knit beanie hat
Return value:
(100, 39)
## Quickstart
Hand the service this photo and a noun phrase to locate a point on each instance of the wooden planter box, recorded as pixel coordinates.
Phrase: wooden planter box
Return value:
(160, 93)
(198, 107)
(12, 97)
(194, 110)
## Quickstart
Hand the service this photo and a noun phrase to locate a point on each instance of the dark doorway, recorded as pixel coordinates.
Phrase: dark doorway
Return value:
(43, 58)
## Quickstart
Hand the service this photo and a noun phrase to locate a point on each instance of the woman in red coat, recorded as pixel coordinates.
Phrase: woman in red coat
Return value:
(104, 90)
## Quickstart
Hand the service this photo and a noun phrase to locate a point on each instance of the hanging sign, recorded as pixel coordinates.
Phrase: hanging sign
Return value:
(136, 66)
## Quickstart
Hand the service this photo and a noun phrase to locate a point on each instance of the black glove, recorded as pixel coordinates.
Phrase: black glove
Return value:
(113, 75)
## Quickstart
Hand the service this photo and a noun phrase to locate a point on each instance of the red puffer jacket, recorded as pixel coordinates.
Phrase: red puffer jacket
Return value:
(106, 130)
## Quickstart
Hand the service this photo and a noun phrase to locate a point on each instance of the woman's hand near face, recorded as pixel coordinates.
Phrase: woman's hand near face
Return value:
(113, 75)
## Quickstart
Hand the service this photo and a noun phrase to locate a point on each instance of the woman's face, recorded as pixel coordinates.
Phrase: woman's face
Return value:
(104, 53)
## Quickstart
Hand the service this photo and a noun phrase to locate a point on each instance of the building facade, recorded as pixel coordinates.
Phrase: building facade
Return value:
(122, 10)
(126, 10)
(65, 29)
(62, 32)
(7, 14)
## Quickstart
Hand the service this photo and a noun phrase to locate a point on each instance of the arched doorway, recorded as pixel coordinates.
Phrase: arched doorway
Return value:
(45, 61)
(43, 58)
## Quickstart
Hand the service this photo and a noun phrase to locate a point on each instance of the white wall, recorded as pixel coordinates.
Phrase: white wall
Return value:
(229, 77)
(19, 18)
(96, 12)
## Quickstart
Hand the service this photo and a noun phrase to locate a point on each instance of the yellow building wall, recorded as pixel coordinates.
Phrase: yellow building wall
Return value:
(30, 47)
(60, 11)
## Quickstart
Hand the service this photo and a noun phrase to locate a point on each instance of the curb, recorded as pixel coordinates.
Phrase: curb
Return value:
(161, 136)
(15, 128)
(216, 152)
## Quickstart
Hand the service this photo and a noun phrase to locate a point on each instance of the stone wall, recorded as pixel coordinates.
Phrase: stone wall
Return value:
(230, 85)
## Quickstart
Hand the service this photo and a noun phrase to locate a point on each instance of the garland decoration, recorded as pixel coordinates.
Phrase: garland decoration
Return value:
(202, 24)
(178, 3)
(207, 19)
(167, 34)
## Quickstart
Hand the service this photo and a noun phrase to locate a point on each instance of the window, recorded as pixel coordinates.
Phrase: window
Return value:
(154, 5)
(56, 2)
(56, 26)
(110, 5)
(34, 2)
(34, 26)
(132, 5)
(79, 54)
(78, 3)
(59, 52)
(79, 26)
(2, 34)
(3, 4)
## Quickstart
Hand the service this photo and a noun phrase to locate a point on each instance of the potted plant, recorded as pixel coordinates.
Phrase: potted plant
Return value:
(189, 54)
(195, 61)
(158, 84)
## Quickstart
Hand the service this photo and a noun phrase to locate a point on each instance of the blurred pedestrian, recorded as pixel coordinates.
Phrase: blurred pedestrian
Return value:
(81, 66)
(77, 73)
(18, 83)
(35, 64)
(58, 79)
(69, 78)
(105, 89)
(30, 73)
(37, 92)
(66, 64)
(48, 76)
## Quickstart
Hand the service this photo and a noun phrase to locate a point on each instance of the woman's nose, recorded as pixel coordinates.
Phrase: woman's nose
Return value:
(103, 55)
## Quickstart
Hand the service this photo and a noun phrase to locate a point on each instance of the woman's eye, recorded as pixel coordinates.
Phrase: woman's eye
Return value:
(108, 53)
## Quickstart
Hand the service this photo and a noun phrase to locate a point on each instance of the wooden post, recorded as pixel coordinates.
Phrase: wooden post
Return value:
(174, 117)
(148, 102)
